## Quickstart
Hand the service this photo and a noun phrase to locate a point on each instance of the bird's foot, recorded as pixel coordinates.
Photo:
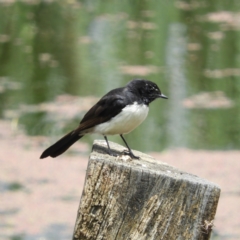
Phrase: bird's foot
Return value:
(130, 153)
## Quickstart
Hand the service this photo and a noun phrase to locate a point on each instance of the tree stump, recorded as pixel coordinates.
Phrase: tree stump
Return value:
(126, 199)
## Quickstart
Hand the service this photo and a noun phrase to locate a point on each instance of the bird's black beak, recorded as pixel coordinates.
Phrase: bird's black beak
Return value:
(162, 96)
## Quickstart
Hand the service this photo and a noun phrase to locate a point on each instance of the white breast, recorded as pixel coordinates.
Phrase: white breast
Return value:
(127, 120)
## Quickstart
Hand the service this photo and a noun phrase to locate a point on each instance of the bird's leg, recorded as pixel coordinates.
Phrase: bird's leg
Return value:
(109, 149)
(129, 149)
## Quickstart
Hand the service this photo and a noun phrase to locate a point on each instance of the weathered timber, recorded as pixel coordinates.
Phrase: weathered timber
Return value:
(125, 199)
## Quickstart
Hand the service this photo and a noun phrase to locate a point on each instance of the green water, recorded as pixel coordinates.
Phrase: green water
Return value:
(191, 49)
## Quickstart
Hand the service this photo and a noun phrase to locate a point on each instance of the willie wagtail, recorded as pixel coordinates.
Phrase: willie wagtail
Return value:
(118, 112)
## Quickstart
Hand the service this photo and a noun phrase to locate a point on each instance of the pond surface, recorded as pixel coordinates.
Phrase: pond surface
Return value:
(58, 57)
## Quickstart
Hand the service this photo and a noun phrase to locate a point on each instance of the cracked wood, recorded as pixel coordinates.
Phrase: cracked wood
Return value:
(142, 200)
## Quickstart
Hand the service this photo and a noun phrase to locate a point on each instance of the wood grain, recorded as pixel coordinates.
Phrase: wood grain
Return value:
(125, 199)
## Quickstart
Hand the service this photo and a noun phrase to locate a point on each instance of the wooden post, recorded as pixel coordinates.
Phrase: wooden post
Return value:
(125, 199)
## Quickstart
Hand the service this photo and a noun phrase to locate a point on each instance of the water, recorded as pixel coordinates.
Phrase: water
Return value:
(58, 57)
(85, 48)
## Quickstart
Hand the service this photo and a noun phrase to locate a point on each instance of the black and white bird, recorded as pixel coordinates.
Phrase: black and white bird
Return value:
(118, 112)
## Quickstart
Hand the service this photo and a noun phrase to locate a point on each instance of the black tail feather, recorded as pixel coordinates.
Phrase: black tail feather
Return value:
(61, 145)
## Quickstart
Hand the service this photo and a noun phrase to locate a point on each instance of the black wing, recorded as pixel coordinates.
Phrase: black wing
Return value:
(105, 109)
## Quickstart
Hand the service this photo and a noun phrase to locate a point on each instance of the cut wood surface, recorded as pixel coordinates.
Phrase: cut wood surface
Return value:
(142, 199)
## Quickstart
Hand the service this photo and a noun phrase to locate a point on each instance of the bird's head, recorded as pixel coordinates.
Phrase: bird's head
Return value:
(146, 89)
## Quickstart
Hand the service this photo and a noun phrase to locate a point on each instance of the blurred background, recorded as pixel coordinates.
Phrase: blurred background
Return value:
(58, 57)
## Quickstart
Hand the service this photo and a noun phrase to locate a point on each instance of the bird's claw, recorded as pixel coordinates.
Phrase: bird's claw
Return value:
(126, 152)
